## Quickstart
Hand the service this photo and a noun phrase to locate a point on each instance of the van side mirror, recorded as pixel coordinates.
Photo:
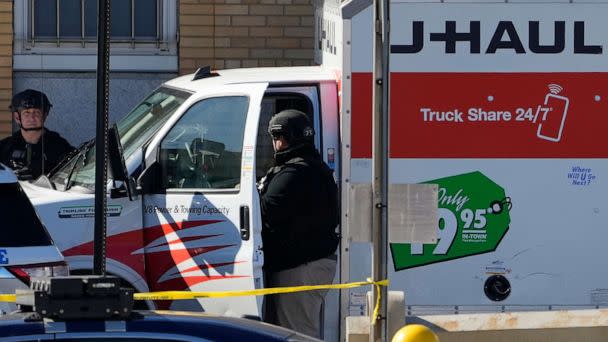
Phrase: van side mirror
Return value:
(118, 168)
(124, 189)
(149, 181)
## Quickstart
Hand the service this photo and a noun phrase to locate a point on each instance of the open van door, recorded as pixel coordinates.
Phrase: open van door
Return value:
(201, 207)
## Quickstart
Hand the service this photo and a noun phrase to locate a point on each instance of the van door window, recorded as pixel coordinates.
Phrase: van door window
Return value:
(272, 104)
(203, 150)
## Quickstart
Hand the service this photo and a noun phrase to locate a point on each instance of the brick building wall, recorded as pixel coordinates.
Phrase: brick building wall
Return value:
(6, 65)
(245, 33)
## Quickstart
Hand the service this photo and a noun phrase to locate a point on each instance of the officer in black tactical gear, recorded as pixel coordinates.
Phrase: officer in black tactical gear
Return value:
(299, 203)
(32, 150)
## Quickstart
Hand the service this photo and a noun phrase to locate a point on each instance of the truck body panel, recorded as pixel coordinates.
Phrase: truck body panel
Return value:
(501, 105)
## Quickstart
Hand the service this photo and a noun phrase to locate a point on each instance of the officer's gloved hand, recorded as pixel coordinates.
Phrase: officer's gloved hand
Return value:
(262, 184)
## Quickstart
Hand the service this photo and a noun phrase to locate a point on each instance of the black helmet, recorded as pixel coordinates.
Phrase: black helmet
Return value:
(30, 98)
(293, 125)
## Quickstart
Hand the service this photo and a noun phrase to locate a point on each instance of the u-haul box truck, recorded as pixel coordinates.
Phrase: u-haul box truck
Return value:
(501, 105)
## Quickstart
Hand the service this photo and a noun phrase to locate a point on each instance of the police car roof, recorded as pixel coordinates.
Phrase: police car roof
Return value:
(280, 75)
(7, 175)
(169, 325)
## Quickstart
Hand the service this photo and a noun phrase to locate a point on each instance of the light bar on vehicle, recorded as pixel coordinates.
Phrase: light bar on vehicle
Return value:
(77, 297)
(25, 273)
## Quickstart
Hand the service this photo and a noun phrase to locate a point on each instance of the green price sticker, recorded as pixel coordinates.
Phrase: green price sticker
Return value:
(473, 214)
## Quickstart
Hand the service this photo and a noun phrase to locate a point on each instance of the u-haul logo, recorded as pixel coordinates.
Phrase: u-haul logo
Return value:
(506, 36)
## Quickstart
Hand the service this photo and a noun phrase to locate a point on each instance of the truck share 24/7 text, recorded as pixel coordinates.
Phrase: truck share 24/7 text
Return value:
(479, 114)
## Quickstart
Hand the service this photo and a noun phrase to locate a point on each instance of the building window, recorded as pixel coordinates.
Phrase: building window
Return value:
(59, 21)
(49, 32)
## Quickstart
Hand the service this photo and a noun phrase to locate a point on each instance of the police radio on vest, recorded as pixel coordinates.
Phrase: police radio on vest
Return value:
(506, 36)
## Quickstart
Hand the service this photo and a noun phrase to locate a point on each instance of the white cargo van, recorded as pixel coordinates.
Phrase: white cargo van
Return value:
(196, 147)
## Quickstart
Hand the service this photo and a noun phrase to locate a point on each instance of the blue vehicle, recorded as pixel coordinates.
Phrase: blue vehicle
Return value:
(97, 308)
(144, 326)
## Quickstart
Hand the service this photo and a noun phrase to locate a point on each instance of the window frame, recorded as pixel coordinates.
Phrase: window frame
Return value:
(273, 93)
(70, 55)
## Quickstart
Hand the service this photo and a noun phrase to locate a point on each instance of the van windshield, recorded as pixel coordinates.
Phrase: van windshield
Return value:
(135, 129)
(22, 227)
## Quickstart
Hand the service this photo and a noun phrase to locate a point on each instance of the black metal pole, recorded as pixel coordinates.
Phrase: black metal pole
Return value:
(101, 137)
(380, 155)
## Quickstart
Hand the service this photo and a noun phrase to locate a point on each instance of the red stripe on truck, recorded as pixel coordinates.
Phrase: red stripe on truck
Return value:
(487, 115)
(361, 119)
(164, 256)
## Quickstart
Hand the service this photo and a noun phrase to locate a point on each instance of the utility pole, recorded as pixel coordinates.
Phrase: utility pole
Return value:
(380, 155)
(101, 137)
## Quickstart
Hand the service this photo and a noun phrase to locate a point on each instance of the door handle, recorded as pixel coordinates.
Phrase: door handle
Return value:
(244, 225)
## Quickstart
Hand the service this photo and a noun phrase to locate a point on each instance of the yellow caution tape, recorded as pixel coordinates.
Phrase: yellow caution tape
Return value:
(10, 298)
(378, 301)
(178, 295)
(181, 295)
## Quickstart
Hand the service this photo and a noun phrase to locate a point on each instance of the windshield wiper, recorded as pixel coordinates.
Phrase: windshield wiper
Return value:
(82, 152)
(66, 159)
